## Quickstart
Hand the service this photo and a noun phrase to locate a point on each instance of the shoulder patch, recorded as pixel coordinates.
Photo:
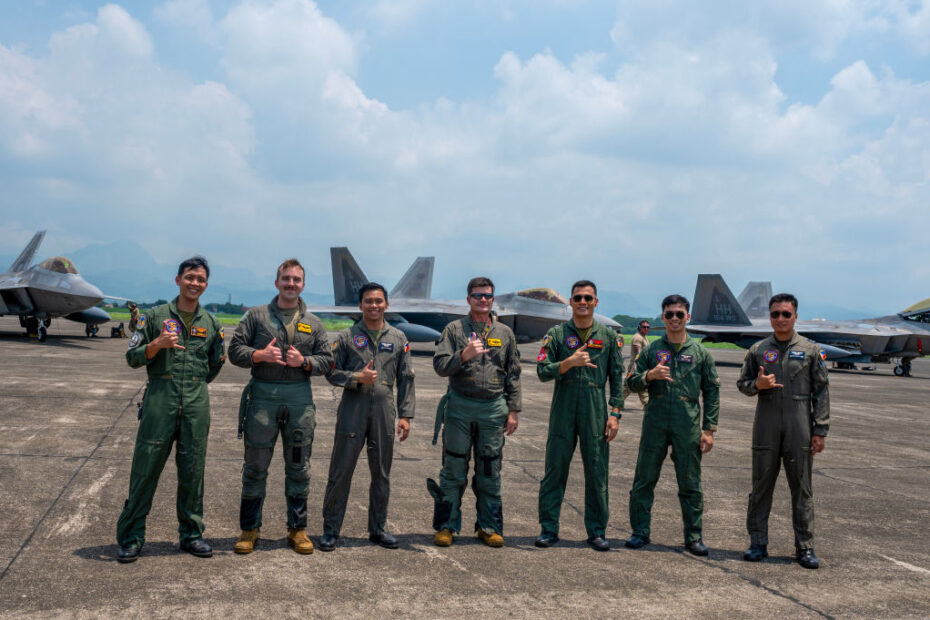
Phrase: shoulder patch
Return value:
(335, 343)
(134, 341)
(406, 347)
(542, 354)
(140, 321)
(545, 340)
(222, 333)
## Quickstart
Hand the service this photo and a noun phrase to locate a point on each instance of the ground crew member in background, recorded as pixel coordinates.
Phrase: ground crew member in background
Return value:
(134, 315)
(369, 359)
(581, 356)
(284, 345)
(787, 373)
(181, 346)
(677, 371)
(639, 343)
(482, 404)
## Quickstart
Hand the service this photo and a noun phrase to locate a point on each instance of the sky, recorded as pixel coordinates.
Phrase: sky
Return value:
(634, 143)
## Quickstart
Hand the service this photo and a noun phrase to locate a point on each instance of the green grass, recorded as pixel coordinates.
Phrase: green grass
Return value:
(233, 319)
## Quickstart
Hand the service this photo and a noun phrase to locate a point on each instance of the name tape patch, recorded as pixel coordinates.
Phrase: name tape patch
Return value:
(687, 359)
(795, 355)
(386, 346)
(595, 344)
(304, 328)
(198, 332)
(494, 342)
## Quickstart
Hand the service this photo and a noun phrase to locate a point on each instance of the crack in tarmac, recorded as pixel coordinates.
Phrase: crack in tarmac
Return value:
(64, 488)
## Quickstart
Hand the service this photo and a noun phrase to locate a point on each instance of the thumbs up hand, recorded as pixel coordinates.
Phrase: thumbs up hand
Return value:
(660, 372)
(368, 375)
(766, 382)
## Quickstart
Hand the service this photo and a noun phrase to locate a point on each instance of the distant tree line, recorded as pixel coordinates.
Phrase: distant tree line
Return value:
(631, 323)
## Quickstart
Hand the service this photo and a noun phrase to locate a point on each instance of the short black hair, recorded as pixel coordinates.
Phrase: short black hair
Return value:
(479, 282)
(674, 300)
(371, 286)
(582, 284)
(783, 297)
(641, 323)
(193, 263)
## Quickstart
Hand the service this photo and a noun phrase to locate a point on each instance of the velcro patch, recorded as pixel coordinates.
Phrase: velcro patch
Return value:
(386, 346)
(770, 356)
(406, 347)
(304, 328)
(140, 322)
(663, 356)
(542, 355)
(360, 341)
(134, 341)
(572, 342)
(687, 359)
(595, 344)
(198, 332)
(494, 342)
(335, 343)
(172, 326)
(795, 355)
(222, 334)
(545, 340)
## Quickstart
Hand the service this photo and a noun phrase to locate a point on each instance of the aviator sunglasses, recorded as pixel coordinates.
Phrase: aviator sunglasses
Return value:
(783, 314)
(674, 314)
(581, 298)
(478, 296)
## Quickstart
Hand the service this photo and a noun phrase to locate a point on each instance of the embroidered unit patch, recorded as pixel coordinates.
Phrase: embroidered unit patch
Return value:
(572, 342)
(361, 341)
(770, 356)
(663, 356)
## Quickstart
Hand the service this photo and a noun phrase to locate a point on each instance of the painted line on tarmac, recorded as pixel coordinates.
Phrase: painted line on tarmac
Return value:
(434, 554)
(910, 567)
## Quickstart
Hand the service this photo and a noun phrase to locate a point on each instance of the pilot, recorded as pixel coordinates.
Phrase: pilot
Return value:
(787, 374)
(181, 346)
(482, 404)
(283, 344)
(678, 372)
(581, 356)
(638, 343)
(369, 360)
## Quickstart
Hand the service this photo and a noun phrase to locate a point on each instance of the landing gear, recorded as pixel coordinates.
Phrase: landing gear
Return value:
(90, 330)
(903, 368)
(42, 333)
(32, 326)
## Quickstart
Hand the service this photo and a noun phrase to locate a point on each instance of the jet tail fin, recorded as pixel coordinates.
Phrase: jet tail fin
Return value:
(755, 299)
(348, 277)
(714, 304)
(417, 283)
(25, 258)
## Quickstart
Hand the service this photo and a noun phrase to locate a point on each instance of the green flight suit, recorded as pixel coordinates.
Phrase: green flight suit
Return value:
(481, 393)
(366, 417)
(578, 414)
(785, 419)
(672, 417)
(278, 399)
(176, 407)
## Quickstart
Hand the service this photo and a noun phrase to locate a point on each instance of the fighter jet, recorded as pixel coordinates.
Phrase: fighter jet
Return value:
(51, 289)
(529, 313)
(719, 317)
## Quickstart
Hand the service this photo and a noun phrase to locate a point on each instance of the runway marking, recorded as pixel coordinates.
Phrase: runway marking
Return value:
(79, 520)
(910, 567)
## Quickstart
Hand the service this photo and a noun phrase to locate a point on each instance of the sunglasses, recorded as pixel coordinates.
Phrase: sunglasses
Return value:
(783, 314)
(674, 314)
(478, 296)
(644, 327)
(580, 298)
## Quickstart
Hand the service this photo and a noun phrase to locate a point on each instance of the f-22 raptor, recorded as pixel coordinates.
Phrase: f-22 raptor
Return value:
(51, 289)
(529, 313)
(719, 317)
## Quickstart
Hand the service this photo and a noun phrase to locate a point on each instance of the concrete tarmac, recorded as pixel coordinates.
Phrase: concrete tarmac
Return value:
(67, 430)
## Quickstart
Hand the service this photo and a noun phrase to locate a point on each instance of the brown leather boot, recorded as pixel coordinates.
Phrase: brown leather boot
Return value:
(298, 541)
(247, 541)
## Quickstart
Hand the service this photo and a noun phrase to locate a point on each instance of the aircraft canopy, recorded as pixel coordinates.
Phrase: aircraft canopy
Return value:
(58, 264)
(543, 294)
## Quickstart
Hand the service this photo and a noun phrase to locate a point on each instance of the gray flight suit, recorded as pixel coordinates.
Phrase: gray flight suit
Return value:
(786, 417)
(278, 399)
(366, 417)
(481, 393)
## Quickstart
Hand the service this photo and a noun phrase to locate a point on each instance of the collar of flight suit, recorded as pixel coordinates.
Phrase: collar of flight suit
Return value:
(173, 309)
(795, 339)
(689, 341)
(360, 324)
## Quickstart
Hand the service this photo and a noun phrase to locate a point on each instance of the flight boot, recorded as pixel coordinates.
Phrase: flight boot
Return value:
(492, 539)
(247, 541)
(298, 541)
(443, 538)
